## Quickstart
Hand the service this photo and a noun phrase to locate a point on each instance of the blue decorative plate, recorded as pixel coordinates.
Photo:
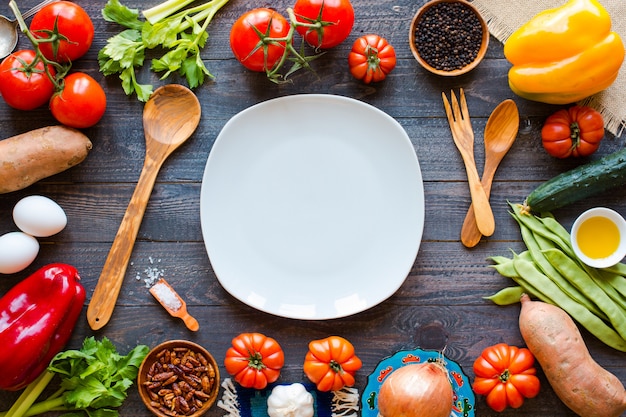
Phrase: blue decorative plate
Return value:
(464, 400)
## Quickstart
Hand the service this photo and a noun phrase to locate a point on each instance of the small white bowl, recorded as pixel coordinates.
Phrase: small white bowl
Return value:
(611, 259)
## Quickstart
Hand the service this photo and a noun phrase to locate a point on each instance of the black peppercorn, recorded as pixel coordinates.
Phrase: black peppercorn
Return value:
(448, 36)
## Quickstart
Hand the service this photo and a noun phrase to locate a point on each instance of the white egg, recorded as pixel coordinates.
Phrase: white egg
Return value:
(17, 251)
(39, 216)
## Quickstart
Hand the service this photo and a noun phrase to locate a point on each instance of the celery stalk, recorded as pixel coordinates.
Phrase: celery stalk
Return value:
(29, 396)
(163, 10)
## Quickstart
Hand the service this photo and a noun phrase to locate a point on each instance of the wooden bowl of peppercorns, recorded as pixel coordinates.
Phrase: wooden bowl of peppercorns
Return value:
(178, 378)
(448, 37)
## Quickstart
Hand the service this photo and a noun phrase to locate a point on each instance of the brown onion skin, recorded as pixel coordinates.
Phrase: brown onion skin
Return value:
(416, 390)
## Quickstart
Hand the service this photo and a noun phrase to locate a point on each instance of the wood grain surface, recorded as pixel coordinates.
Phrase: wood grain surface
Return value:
(440, 303)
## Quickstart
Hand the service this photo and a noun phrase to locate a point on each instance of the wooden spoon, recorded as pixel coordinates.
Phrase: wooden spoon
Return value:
(500, 134)
(170, 117)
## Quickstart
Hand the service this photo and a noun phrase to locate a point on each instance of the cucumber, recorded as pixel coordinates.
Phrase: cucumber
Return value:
(581, 182)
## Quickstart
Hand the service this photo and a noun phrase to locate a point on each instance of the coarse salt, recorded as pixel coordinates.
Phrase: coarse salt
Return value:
(166, 296)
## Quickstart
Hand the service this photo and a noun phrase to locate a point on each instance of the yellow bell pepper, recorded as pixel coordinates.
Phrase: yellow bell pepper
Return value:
(565, 54)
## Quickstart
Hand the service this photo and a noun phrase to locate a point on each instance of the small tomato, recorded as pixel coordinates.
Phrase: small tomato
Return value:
(576, 131)
(246, 37)
(254, 360)
(327, 22)
(81, 103)
(371, 58)
(331, 363)
(68, 27)
(24, 84)
(506, 376)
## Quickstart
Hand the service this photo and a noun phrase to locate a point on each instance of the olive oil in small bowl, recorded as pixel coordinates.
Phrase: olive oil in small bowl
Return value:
(599, 237)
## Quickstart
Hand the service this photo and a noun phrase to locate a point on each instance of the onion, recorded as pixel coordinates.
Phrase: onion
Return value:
(416, 390)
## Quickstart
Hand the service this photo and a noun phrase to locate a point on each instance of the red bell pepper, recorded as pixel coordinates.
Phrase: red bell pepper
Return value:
(37, 318)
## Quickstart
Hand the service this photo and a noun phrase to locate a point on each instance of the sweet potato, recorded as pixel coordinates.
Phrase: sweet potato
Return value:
(32, 156)
(580, 382)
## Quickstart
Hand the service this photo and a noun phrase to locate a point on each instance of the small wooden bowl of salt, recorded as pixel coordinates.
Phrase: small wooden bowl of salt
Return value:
(173, 303)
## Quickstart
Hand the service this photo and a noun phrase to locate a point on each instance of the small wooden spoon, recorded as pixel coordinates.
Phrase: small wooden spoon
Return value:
(500, 133)
(170, 117)
(173, 303)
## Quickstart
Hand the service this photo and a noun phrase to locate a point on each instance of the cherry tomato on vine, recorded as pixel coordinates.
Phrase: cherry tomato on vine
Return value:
(69, 24)
(371, 58)
(334, 17)
(506, 376)
(81, 103)
(25, 86)
(576, 131)
(247, 45)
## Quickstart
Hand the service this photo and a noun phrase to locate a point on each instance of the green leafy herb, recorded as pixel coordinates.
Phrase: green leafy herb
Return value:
(94, 381)
(182, 35)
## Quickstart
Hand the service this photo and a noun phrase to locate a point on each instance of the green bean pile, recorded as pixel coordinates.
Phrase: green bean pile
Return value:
(550, 271)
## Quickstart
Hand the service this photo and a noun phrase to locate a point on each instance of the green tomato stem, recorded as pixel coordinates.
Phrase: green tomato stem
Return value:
(61, 70)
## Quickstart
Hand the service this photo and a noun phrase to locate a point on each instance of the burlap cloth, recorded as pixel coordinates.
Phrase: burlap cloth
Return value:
(505, 16)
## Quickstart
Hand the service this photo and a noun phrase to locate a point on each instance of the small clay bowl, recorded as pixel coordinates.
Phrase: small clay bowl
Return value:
(157, 355)
(421, 54)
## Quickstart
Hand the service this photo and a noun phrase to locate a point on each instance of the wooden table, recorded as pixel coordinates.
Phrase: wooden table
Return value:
(440, 303)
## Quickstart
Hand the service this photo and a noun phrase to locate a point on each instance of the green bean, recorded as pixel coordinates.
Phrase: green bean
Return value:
(538, 228)
(536, 245)
(605, 285)
(532, 287)
(617, 281)
(618, 269)
(505, 267)
(507, 296)
(586, 284)
(588, 320)
(558, 235)
(557, 228)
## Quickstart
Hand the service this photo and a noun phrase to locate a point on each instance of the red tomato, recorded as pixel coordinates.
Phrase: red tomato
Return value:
(81, 103)
(371, 58)
(247, 45)
(73, 33)
(254, 360)
(25, 86)
(576, 131)
(505, 375)
(331, 363)
(333, 19)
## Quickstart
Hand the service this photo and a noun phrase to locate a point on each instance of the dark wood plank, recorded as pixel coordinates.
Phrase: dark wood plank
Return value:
(440, 303)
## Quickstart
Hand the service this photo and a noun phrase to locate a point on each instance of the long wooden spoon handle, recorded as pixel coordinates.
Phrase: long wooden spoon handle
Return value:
(110, 282)
(480, 202)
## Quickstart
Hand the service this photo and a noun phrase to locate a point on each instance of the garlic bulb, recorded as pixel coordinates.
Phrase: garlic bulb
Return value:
(290, 401)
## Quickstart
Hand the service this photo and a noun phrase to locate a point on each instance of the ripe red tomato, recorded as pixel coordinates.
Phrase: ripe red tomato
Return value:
(505, 375)
(371, 58)
(576, 131)
(25, 86)
(247, 45)
(74, 31)
(81, 103)
(334, 17)
(254, 360)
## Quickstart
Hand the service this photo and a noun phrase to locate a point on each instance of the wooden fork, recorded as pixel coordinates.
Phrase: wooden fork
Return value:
(463, 135)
